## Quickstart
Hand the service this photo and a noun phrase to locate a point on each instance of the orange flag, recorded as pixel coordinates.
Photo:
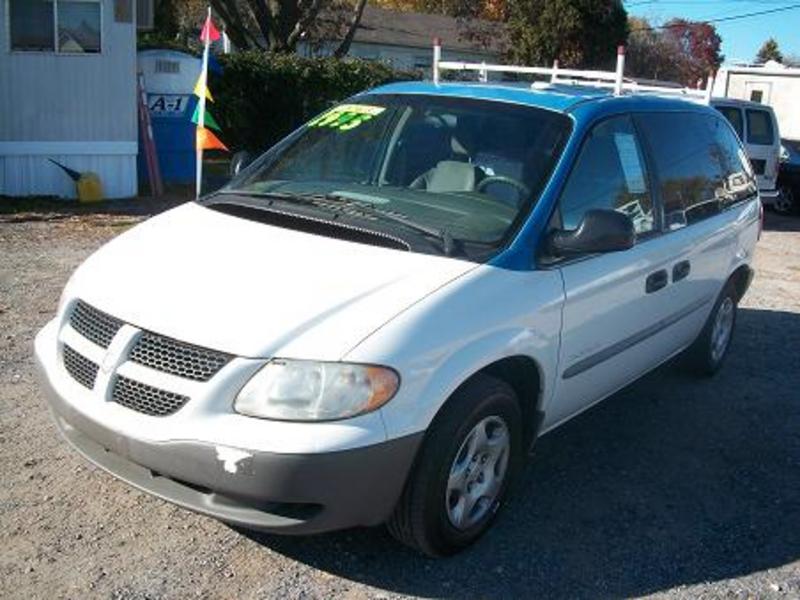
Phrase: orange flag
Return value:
(206, 140)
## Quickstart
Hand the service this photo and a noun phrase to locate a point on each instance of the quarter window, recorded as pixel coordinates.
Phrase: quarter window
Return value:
(609, 174)
(759, 128)
(700, 165)
(62, 26)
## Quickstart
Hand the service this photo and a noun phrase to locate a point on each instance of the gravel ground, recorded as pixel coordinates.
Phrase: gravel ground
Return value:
(675, 488)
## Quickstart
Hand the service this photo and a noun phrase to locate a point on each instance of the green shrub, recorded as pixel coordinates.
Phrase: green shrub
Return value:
(259, 98)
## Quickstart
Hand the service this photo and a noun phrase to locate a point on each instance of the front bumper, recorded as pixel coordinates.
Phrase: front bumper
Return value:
(280, 493)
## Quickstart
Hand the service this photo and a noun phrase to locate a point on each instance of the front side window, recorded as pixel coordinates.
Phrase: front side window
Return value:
(609, 174)
(700, 165)
(63, 26)
(759, 128)
(469, 169)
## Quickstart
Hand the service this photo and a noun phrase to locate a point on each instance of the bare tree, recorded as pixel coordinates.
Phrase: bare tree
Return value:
(278, 25)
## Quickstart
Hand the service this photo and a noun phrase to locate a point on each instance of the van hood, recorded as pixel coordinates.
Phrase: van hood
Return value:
(251, 289)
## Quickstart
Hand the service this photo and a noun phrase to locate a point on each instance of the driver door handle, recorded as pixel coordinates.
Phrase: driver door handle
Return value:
(656, 281)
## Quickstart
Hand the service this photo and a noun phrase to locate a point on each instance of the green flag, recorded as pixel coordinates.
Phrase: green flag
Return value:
(209, 119)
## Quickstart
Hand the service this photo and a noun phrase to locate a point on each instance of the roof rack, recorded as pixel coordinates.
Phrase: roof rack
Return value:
(603, 79)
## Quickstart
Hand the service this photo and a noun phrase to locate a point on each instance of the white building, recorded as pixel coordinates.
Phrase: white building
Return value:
(68, 92)
(772, 84)
(404, 40)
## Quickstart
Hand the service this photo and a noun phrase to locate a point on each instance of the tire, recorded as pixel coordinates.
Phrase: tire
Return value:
(427, 513)
(785, 203)
(707, 354)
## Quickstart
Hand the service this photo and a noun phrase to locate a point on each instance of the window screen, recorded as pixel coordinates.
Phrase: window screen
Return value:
(78, 26)
(63, 26)
(31, 25)
(609, 174)
(759, 128)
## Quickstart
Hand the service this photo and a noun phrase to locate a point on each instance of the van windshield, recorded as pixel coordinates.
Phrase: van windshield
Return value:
(468, 169)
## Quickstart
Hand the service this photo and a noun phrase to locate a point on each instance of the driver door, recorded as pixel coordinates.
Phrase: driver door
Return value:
(614, 302)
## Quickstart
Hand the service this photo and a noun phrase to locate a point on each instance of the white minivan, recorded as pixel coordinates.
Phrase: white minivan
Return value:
(757, 126)
(374, 321)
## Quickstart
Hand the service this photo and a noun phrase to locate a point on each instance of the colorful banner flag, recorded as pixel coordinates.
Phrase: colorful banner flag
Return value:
(207, 119)
(201, 85)
(210, 32)
(206, 140)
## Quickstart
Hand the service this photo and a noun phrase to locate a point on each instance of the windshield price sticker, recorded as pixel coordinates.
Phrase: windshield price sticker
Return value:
(347, 116)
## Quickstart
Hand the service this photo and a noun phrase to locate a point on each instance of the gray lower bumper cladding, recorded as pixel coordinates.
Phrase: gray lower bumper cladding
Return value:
(280, 493)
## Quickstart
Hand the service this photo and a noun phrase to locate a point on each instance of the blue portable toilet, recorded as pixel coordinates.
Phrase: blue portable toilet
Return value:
(169, 79)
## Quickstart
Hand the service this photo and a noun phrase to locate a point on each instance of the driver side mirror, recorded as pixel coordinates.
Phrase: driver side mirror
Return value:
(600, 230)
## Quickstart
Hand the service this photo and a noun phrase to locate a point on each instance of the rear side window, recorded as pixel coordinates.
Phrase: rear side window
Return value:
(700, 165)
(609, 174)
(759, 128)
(734, 116)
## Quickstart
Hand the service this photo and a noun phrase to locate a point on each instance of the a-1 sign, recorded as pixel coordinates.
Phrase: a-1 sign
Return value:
(167, 105)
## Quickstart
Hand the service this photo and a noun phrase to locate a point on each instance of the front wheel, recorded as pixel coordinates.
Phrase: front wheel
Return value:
(470, 455)
(706, 355)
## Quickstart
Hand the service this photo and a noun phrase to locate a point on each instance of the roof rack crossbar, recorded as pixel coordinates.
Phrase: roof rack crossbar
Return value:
(604, 79)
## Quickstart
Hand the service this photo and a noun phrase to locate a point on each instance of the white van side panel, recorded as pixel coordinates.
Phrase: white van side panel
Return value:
(487, 315)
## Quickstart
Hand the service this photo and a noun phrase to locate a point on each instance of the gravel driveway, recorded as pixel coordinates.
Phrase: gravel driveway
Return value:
(675, 487)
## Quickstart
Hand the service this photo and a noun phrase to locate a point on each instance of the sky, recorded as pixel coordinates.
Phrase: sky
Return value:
(741, 38)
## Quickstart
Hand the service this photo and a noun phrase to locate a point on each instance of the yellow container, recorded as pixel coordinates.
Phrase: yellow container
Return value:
(90, 188)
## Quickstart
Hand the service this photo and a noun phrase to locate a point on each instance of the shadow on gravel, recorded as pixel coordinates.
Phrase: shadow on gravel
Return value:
(775, 222)
(673, 481)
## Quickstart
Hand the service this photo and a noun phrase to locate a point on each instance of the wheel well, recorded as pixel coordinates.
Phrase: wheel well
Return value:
(741, 280)
(523, 375)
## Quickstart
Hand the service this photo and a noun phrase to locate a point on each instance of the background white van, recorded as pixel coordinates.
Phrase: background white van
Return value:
(757, 127)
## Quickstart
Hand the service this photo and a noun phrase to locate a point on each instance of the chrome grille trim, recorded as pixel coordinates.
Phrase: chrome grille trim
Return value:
(177, 358)
(80, 368)
(146, 399)
(93, 324)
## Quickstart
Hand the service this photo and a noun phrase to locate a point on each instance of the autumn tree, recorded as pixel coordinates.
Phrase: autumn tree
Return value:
(769, 51)
(700, 46)
(651, 54)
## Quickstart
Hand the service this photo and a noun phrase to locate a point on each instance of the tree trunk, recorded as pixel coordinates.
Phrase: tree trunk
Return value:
(344, 47)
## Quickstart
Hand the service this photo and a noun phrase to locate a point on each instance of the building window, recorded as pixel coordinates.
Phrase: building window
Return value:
(62, 26)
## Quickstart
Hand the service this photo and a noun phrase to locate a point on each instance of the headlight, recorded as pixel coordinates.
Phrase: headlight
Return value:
(295, 390)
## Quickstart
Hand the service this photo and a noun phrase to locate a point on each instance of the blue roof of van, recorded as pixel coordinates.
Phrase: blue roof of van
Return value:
(557, 97)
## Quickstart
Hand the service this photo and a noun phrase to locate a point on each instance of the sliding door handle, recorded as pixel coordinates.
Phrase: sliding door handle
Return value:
(656, 281)
(681, 270)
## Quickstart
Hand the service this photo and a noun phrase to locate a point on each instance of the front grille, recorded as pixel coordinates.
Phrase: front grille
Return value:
(146, 399)
(80, 368)
(177, 358)
(93, 324)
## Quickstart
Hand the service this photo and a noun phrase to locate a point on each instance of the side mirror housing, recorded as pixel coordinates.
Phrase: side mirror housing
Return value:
(599, 231)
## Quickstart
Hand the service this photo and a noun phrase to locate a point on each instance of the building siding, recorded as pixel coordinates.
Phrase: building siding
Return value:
(46, 97)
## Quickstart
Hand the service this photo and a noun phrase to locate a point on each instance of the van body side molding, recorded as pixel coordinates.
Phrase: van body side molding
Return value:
(611, 351)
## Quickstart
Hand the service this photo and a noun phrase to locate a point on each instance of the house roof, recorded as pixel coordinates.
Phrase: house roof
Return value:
(417, 30)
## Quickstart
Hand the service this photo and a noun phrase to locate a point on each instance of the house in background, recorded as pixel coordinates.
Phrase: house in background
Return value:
(404, 40)
(68, 92)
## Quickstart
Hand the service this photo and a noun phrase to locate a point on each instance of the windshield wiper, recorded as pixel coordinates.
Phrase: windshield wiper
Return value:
(442, 235)
(337, 204)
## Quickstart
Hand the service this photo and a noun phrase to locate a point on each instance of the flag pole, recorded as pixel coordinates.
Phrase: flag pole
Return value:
(202, 106)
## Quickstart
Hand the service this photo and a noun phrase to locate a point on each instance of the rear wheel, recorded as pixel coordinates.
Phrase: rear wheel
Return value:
(784, 203)
(471, 453)
(706, 355)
